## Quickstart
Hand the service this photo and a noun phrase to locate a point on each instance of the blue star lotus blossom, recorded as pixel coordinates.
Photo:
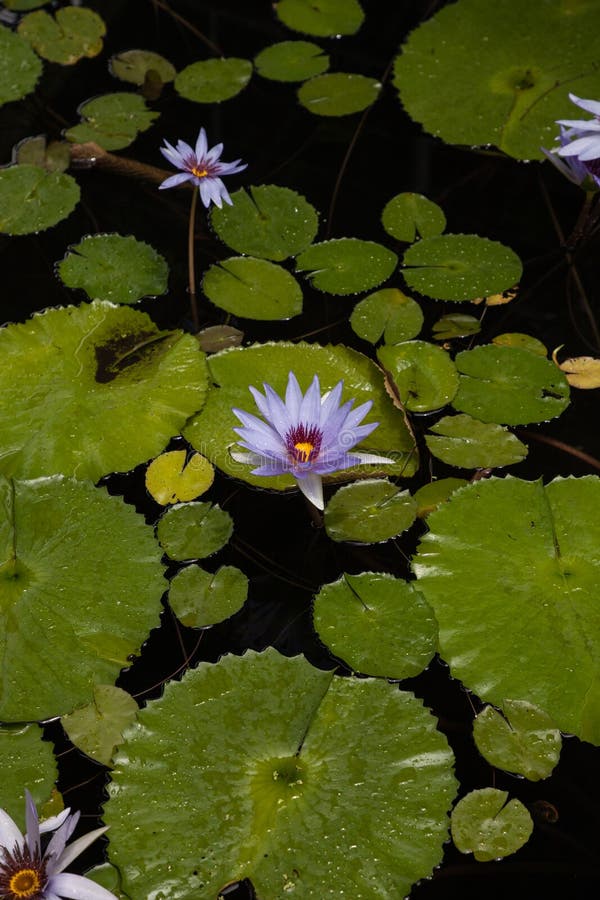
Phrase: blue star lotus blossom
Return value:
(28, 874)
(202, 167)
(586, 174)
(580, 138)
(306, 436)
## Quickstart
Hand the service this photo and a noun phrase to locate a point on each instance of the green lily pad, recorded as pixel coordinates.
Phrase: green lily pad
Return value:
(291, 61)
(113, 120)
(346, 265)
(253, 288)
(524, 740)
(219, 337)
(455, 325)
(489, 827)
(20, 68)
(36, 151)
(178, 477)
(213, 80)
(116, 268)
(97, 729)
(511, 569)
(424, 375)
(34, 199)
(323, 18)
(369, 511)
(232, 371)
(108, 877)
(510, 386)
(338, 93)
(193, 530)
(460, 267)
(296, 781)
(388, 313)
(24, 5)
(27, 762)
(134, 65)
(66, 622)
(432, 495)
(266, 221)
(508, 68)
(467, 442)
(65, 38)
(409, 215)
(94, 389)
(200, 598)
(377, 624)
(522, 342)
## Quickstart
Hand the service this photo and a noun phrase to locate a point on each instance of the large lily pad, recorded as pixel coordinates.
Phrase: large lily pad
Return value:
(323, 18)
(346, 265)
(72, 33)
(113, 120)
(424, 375)
(66, 622)
(27, 762)
(33, 199)
(512, 569)
(232, 371)
(338, 93)
(20, 68)
(296, 780)
(94, 389)
(291, 61)
(213, 80)
(253, 288)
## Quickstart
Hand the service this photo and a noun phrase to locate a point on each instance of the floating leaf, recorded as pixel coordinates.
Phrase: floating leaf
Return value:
(232, 371)
(116, 268)
(34, 199)
(35, 151)
(432, 495)
(113, 120)
(455, 325)
(524, 740)
(108, 877)
(501, 299)
(213, 80)
(511, 569)
(177, 477)
(460, 266)
(407, 215)
(94, 389)
(369, 511)
(194, 530)
(323, 18)
(97, 729)
(291, 61)
(134, 65)
(219, 337)
(346, 265)
(253, 288)
(522, 342)
(27, 762)
(377, 624)
(388, 312)
(581, 371)
(338, 94)
(73, 32)
(23, 6)
(423, 374)
(298, 798)
(489, 827)
(20, 68)
(67, 623)
(266, 221)
(467, 442)
(509, 386)
(200, 598)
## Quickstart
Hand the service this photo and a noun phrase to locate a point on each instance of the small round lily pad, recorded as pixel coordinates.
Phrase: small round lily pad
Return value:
(522, 341)
(253, 288)
(488, 825)
(455, 325)
(178, 477)
(193, 530)
(467, 442)
(199, 598)
(72, 33)
(20, 68)
(524, 740)
(346, 265)
(113, 120)
(213, 80)
(97, 729)
(134, 65)
(323, 18)
(33, 199)
(369, 511)
(408, 216)
(388, 313)
(291, 61)
(423, 374)
(338, 93)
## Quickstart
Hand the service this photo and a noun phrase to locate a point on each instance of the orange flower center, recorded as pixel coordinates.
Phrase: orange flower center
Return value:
(199, 173)
(24, 883)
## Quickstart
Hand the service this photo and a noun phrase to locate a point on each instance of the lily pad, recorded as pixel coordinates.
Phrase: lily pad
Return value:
(177, 477)
(299, 797)
(369, 511)
(253, 288)
(388, 313)
(36, 151)
(66, 622)
(346, 265)
(266, 221)
(455, 325)
(20, 68)
(134, 65)
(424, 375)
(97, 729)
(489, 827)
(34, 199)
(72, 33)
(323, 18)
(113, 120)
(338, 93)
(432, 495)
(116, 268)
(27, 762)
(524, 740)
(200, 598)
(291, 61)
(213, 80)
(233, 371)
(377, 624)
(511, 569)
(460, 267)
(409, 215)
(219, 337)
(194, 530)
(24, 5)
(509, 386)
(521, 341)
(94, 389)
(467, 442)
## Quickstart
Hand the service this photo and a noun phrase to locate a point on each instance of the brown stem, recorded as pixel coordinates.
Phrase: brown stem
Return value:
(92, 156)
(214, 47)
(191, 263)
(560, 445)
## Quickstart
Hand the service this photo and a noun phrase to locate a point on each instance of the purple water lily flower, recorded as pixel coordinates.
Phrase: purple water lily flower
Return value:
(578, 153)
(306, 436)
(27, 874)
(202, 167)
(584, 173)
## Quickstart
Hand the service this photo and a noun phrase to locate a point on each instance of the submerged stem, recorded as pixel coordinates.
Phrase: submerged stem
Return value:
(191, 263)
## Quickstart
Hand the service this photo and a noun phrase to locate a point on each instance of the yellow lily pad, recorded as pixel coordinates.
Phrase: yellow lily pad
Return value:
(174, 478)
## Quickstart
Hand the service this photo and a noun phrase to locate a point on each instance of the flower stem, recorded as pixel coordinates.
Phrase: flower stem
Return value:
(191, 264)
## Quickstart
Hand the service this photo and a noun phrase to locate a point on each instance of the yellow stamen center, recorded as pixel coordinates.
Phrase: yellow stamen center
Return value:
(304, 449)
(199, 173)
(25, 883)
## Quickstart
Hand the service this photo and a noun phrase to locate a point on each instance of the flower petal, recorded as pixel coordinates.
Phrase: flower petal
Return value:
(175, 158)
(591, 106)
(585, 147)
(175, 180)
(76, 848)
(330, 401)
(205, 194)
(58, 843)
(310, 408)
(201, 145)
(76, 887)
(371, 458)
(278, 414)
(293, 397)
(213, 154)
(311, 486)
(9, 833)
(54, 822)
(32, 823)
